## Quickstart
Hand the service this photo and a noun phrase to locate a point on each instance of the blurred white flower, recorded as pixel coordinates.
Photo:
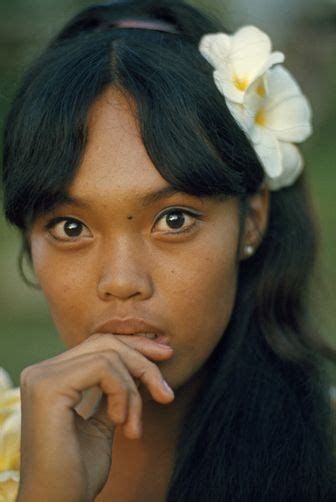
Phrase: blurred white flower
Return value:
(10, 443)
(10, 432)
(265, 100)
(238, 59)
(9, 403)
(9, 482)
(5, 380)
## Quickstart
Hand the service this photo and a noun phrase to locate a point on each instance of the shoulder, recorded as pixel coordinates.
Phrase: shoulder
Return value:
(10, 428)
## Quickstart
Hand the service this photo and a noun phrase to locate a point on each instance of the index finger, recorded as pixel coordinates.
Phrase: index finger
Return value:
(106, 341)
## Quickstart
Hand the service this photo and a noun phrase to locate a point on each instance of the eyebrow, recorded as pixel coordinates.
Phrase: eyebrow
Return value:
(146, 200)
(156, 196)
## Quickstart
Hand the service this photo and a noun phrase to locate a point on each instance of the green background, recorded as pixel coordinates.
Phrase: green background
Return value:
(303, 30)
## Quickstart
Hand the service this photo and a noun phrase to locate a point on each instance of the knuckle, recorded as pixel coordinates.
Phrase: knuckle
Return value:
(112, 353)
(119, 399)
(150, 370)
(134, 393)
(117, 416)
(95, 336)
(117, 405)
(29, 375)
(39, 385)
(25, 376)
(131, 387)
(107, 359)
(104, 362)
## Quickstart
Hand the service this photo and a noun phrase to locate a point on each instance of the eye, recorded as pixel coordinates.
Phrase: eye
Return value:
(67, 229)
(176, 221)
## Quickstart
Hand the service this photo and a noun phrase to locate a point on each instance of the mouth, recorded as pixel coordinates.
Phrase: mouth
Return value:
(133, 327)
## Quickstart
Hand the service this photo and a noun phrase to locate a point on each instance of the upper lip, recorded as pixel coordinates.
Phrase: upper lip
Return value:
(129, 326)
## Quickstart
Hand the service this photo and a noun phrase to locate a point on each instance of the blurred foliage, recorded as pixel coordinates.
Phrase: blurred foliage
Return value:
(306, 34)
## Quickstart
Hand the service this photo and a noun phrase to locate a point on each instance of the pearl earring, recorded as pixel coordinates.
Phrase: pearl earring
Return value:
(249, 250)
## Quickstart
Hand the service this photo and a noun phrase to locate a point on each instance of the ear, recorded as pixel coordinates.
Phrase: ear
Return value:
(256, 221)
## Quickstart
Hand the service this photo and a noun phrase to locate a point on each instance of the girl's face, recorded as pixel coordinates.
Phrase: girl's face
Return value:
(127, 247)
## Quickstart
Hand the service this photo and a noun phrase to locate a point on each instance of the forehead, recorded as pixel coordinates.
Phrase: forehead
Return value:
(115, 155)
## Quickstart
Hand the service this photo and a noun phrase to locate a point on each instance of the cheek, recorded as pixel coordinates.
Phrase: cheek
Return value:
(64, 286)
(205, 298)
(201, 302)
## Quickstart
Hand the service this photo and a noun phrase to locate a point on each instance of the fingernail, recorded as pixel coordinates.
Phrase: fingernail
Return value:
(167, 388)
(163, 341)
(165, 347)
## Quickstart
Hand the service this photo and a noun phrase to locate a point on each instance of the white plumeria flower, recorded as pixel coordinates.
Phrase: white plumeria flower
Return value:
(238, 59)
(264, 99)
(274, 115)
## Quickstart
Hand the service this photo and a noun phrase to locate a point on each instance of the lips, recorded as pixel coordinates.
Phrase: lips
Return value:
(132, 327)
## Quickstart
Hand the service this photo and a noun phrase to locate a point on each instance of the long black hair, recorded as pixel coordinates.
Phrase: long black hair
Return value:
(262, 428)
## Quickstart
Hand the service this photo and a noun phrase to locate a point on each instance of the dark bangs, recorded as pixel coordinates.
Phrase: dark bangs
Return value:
(186, 128)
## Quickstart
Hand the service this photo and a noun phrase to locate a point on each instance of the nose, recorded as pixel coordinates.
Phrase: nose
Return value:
(123, 272)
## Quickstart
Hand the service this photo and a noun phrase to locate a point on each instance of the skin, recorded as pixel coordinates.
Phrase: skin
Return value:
(126, 261)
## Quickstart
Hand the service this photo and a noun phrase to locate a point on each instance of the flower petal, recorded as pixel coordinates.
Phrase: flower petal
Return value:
(254, 101)
(281, 83)
(225, 85)
(268, 150)
(292, 163)
(216, 48)
(242, 116)
(287, 111)
(251, 53)
(238, 59)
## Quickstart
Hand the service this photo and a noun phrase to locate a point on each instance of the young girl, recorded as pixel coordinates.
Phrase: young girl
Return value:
(150, 164)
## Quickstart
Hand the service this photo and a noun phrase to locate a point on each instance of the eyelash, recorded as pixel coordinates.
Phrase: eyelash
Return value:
(59, 219)
(183, 212)
(54, 221)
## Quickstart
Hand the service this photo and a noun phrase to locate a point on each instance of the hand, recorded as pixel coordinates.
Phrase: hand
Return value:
(64, 457)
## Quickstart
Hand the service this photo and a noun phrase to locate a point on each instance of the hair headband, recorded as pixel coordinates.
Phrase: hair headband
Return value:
(145, 24)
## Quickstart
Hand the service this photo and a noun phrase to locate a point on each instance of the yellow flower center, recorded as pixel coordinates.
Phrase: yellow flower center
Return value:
(260, 118)
(261, 90)
(241, 84)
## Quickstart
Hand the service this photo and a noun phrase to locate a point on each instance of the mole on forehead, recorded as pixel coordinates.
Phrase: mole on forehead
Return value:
(130, 216)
